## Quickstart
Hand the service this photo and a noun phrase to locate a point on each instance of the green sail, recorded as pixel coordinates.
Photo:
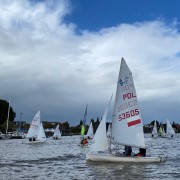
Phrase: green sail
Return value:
(82, 130)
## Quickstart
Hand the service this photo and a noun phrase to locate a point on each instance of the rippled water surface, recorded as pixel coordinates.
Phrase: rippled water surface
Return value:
(65, 159)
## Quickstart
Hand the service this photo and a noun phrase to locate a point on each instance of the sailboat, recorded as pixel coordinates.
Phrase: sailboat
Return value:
(36, 132)
(161, 131)
(169, 130)
(90, 133)
(83, 140)
(57, 133)
(127, 128)
(154, 131)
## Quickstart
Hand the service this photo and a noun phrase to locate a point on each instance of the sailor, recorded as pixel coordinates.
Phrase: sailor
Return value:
(141, 153)
(84, 141)
(128, 150)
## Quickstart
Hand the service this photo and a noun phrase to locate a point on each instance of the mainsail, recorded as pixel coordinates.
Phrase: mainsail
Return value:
(84, 123)
(34, 127)
(169, 129)
(154, 131)
(57, 133)
(127, 128)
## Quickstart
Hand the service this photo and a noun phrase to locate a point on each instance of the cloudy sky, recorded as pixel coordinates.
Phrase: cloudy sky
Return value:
(58, 56)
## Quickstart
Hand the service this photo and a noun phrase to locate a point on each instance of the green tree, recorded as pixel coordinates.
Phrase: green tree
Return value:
(4, 105)
(65, 125)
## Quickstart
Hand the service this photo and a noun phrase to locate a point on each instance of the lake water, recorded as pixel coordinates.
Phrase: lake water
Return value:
(65, 159)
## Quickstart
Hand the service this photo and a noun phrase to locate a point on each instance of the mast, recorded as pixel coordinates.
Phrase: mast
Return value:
(7, 118)
(84, 123)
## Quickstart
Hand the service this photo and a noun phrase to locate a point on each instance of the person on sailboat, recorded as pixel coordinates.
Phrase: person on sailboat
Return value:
(128, 150)
(84, 141)
(141, 153)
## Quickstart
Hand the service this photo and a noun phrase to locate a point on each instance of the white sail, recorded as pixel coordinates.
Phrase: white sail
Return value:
(41, 134)
(154, 131)
(127, 128)
(90, 133)
(169, 129)
(57, 133)
(34, 127)
(100, 138)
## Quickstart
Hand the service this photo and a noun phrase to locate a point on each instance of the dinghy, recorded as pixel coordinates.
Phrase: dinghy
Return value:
(169, 130)
(90, 133)
(127, 128)
(83, 139)
(154, 131)
(57, 133)
(161, 132)
(36, 132)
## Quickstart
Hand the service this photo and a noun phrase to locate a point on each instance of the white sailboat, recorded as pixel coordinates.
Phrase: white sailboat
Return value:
(154, 131)
(36, 132)
(90, 133)
(169, 130)
(127, 128)
(57, 133)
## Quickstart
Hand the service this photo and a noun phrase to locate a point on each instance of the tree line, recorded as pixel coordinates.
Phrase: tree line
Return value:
(64, 127)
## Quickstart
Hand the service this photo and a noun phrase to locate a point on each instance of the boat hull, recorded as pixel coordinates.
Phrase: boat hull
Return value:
(114, 158)
(33, 142)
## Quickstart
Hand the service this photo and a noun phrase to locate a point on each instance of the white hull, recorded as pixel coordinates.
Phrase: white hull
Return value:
(33, 142)
(113, 158)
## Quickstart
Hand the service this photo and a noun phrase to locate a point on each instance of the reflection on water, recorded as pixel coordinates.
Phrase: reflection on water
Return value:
(65, 159)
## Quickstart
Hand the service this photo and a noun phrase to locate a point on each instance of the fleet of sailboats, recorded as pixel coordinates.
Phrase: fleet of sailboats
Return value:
(161, 132)
(127, 127)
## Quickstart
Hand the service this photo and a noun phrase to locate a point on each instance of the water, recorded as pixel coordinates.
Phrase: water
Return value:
(65, 159)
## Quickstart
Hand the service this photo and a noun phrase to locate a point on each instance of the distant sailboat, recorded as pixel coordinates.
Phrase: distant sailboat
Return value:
(127, 128)
(57, 133)
(161, 131)
(169, 130)
(154, 131)
(83, 140)
(90, 133)
(36, 132)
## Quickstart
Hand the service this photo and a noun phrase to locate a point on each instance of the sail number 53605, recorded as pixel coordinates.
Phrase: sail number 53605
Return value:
(128, 114)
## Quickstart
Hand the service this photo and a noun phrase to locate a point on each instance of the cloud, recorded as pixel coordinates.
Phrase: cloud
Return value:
(45, 65)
